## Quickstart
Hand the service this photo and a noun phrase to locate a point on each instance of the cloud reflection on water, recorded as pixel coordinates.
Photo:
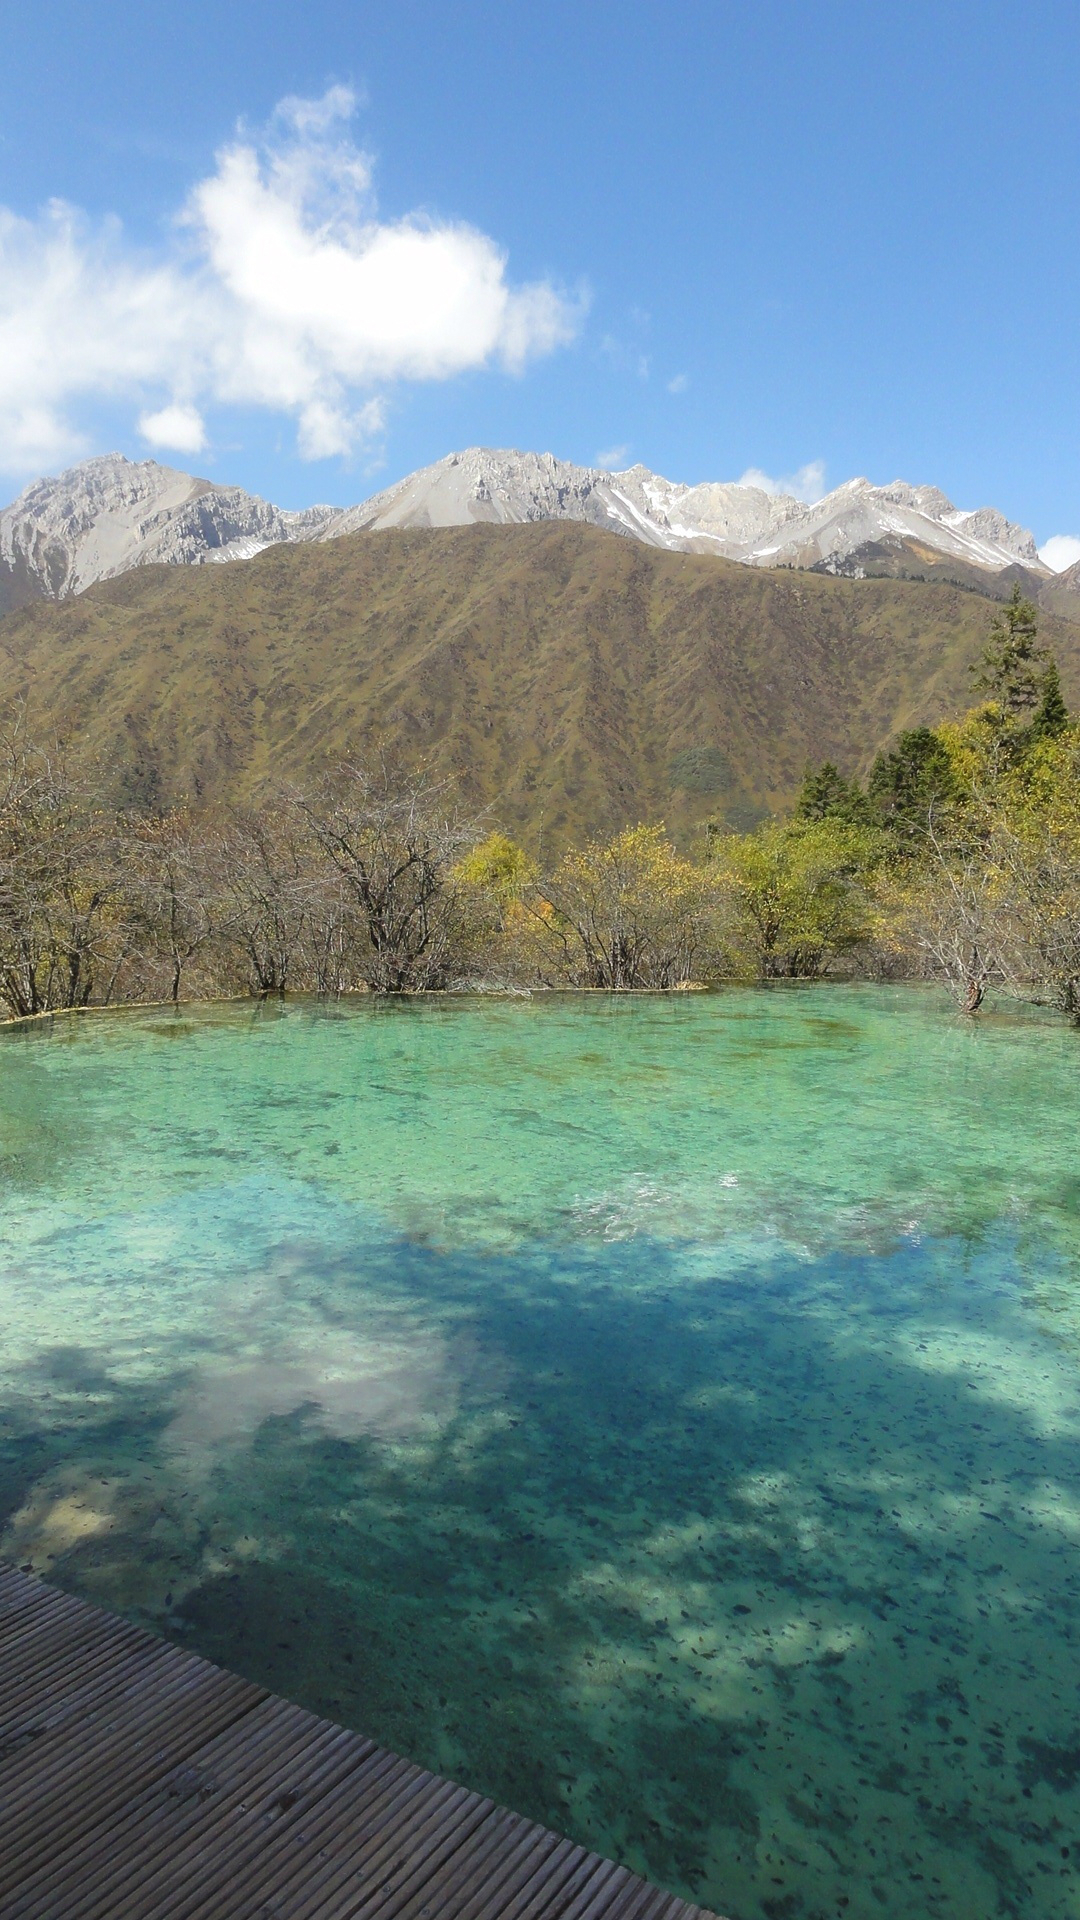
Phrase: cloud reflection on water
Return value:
(392, 1379)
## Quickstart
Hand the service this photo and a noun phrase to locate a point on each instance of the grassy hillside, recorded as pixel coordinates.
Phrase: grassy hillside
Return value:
(551, 667)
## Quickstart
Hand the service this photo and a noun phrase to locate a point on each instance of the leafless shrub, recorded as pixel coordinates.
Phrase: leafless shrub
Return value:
(1039, 867)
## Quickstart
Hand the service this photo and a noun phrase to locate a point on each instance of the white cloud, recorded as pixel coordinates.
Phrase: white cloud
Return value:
(807, 485)
(613, 459)
(679, 384)
(1060, 551)
(326, 430)
(308, 117)
(37, 437)
(281, 289)
(179, 427)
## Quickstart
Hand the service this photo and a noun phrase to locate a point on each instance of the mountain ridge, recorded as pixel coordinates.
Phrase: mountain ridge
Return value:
(110, 514)
(561, 676)
(737, 520)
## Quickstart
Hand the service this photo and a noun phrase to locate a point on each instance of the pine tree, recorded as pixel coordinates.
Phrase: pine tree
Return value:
(826, 795)
(911, 783)
(1052, 715)
(1010, 669)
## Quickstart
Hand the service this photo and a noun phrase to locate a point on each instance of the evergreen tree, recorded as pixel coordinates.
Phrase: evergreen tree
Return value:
(911, 783)
(1052, 715)
(1010, 668)
(826, 795)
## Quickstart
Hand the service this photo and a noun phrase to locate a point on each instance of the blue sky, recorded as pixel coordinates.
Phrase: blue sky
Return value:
(710, 238)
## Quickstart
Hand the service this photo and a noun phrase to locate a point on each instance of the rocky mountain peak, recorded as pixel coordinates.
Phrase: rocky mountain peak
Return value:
(110, 513)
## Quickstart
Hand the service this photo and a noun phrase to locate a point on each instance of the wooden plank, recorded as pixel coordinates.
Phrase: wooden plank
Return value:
(539, 1855)
(170, 1831)
(31, 1636)
(507, 1843)
(407, 1860)
(71, 1808)
(59, 1680)
(17, 1593)
(59, 1652)
(552, 1892)
(125, 1734)
(346, 1841)
(138, 1782)
(117, 1850)
(640, 1901)
(221, 1855)
(232, 1876)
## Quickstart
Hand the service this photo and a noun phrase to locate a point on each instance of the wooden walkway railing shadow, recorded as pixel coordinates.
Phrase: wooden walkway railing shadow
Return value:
(138, 1782)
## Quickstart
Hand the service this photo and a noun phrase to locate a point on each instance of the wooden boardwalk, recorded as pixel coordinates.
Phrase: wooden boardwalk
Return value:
(138, 1782)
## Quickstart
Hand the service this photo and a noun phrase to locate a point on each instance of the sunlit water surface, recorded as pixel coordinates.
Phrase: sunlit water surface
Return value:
(661, 1414)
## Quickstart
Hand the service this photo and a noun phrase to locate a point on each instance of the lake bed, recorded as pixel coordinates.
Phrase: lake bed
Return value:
(662, 1414)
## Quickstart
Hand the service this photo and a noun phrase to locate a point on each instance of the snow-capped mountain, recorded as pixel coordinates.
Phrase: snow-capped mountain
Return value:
(740, 522)
(110, 514)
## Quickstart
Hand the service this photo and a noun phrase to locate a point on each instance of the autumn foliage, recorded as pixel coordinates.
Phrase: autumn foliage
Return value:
(957, 859)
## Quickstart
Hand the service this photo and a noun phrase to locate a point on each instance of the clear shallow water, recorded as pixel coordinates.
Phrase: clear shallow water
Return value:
(661, 1414)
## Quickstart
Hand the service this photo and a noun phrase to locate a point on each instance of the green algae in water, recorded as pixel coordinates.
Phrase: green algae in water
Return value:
(663, 1415)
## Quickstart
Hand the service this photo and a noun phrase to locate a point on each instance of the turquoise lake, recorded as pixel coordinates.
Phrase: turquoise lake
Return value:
(662, 1414)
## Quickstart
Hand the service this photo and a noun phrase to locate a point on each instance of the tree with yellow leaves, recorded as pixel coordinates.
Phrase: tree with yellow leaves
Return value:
(798, 893)
(628, 912)
(1036, 846)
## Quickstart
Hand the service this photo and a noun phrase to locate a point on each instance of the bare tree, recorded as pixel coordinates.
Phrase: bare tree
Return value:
(957, 914)
(330, 959)
(64, 927)
(275, 896)
(395, 840)
(177, 879)
(1039, 860)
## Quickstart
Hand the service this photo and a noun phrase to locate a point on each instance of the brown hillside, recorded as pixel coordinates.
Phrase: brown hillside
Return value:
(550, 667)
